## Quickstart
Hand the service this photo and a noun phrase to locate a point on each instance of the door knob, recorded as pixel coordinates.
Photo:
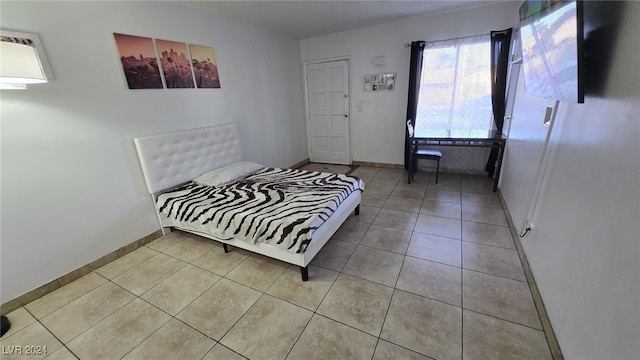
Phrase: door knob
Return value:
(346, 115)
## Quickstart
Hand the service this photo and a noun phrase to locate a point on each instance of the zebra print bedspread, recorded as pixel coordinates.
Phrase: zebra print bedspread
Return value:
(282, 207)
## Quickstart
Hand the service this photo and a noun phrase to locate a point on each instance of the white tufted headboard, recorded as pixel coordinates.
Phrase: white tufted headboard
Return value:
(173, 158)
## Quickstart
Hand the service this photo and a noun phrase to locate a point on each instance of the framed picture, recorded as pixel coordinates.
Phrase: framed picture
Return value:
(31, 40)
(176, 66)
(205, 68)
(139, 61)
(156, 64)
(380, 82)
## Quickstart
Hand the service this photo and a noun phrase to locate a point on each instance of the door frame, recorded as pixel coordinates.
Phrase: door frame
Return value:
(346, 58)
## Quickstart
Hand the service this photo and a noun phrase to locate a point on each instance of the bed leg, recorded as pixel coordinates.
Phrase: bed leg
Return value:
(358, 209)
(305, 273)
(226, 249)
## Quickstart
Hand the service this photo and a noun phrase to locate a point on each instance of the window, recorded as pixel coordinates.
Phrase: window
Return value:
(455, 88)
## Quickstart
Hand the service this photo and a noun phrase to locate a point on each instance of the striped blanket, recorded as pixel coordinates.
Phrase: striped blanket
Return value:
(282, 207)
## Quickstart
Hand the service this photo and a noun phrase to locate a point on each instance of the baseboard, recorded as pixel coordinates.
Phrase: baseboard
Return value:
(420, 168)
(300, 164)
(554, 346)
(379, 165)
(40, 291)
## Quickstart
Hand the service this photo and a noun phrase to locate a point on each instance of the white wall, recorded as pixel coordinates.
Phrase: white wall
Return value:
(72, 190)
(377, 131)
(584, 250)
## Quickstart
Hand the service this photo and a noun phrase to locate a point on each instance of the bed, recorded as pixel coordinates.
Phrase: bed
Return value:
(200, 183)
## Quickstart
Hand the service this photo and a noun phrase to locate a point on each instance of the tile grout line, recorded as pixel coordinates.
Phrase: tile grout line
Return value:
(64, 345)
(134, 297)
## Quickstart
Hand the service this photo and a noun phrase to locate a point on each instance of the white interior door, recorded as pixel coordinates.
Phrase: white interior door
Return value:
(328, 112)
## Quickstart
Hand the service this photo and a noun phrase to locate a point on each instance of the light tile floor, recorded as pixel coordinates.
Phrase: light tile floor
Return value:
(426, 271)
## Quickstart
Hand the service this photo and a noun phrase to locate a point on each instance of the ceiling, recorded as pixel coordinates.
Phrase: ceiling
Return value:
(306, 18)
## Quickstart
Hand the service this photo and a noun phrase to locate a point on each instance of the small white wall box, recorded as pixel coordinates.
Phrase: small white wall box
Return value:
(380, 61)
(380, 82)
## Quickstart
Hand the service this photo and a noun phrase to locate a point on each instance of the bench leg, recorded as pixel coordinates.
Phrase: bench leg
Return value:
(304, 271)
(226, 249)
(358, 209)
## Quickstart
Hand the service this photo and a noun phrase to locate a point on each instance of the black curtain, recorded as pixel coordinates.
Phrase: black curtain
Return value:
(500, 44)
(415, 71)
